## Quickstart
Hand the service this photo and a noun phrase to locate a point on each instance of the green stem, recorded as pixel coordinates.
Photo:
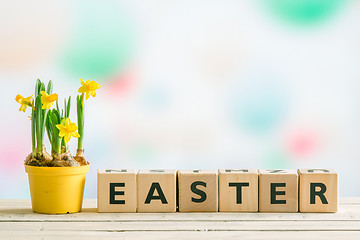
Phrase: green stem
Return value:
(39, 136)
(40, 123)
(33, 138)
(34, 118)
(57, 146)
(46, 121)
(80, 118)
(63, 144)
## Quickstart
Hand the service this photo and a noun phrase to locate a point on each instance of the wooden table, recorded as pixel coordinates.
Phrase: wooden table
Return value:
(17, 221)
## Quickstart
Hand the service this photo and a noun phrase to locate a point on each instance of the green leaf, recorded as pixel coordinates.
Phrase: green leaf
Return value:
(55, 119)
(57, 114)
(65, 108)
(37, 87)
(49, 129)
(68, 106)
(42, 87)
(49, 88)
(57, 105)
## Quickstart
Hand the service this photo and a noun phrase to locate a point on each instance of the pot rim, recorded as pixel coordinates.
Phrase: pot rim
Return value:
(52, 171)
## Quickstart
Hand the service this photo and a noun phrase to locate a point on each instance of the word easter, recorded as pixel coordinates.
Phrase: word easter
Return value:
(225, 190)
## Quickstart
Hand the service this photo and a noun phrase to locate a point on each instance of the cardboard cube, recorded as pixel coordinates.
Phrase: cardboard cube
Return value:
(318, 190)
(116, 190)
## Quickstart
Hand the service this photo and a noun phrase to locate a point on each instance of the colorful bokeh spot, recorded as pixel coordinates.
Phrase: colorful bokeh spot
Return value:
(102, 42)
(303, 12)
(122, 85)
(275, 159)
(142, 152)
(259, 113)
(302, 143)
(13, 153)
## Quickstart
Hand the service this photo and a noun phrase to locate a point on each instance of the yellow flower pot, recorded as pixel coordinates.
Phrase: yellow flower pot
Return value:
(56, 190)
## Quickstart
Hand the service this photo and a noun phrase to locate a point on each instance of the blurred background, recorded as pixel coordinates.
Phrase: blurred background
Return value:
(189, 84)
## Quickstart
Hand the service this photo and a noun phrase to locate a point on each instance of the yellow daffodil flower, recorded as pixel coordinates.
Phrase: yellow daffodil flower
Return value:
(47, 100)
(89, 88)
(25, 102)
(67, 129)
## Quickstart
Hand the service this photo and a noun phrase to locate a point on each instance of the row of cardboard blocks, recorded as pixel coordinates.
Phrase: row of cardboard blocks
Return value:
(225, 190)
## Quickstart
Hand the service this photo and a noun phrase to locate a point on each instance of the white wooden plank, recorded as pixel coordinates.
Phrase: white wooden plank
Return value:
(157, 235)
(184, 226)
(346, 212)
(91, 203)
(17, 221)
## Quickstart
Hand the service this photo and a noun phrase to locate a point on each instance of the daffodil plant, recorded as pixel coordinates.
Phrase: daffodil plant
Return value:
(43, 101)
(55, 131)
(87, 89)
(57, 123)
